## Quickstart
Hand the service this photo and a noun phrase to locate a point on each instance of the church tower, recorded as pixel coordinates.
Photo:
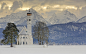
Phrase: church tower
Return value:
(25, 35)
(29, 26)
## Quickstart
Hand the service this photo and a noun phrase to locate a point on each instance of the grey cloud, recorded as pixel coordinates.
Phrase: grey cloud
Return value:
(27, 0)
(48, 7)
(6, 7)
(1, 0)
(64, 2)
(6, 0)
(33, 6)
(2, 6)
(51, 2)
(16, 5)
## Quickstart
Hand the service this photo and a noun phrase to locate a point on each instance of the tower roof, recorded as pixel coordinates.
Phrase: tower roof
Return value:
(29, 14)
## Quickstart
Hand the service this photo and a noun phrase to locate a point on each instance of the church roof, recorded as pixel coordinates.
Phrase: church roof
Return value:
(23, 31)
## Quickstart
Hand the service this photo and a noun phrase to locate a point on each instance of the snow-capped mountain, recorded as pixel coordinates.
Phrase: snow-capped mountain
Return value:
(83, 19)
(20, 18)
(59, 33)
(63, 17)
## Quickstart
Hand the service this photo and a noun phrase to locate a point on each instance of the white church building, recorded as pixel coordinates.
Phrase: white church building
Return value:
(25, 35)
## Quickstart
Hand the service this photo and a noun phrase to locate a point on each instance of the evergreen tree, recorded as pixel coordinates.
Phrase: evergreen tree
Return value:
(41, 32)
(10, 34)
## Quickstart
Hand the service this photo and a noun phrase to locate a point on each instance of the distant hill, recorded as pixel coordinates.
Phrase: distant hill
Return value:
(68, 33)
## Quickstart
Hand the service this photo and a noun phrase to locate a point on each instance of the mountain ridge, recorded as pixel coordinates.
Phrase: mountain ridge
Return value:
(68, 33)
(83, 19)
(19, 18)
(63, 17)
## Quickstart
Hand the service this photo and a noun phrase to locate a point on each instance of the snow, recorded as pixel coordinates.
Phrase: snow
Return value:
(63, 17)
(39, 49)
(83, 19)
(20, 18)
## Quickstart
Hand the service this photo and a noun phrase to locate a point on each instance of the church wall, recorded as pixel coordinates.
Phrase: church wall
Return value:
(25, 40)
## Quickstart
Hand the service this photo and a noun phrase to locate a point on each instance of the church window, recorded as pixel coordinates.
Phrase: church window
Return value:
(23, 43)
(26, 42)
(29, 19)
(23, 37)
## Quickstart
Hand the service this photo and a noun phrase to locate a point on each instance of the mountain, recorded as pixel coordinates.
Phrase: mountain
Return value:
(63, 30)
(83, 19)
(20, 18)
(63, 17)
(68, 33)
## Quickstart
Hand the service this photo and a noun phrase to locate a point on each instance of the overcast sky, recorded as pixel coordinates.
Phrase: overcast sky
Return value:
(78, 7)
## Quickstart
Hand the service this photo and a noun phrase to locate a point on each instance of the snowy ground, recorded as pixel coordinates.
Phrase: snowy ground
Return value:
(36, 49)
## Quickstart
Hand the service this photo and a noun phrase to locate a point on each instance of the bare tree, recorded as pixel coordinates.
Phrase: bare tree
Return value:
(41, 32)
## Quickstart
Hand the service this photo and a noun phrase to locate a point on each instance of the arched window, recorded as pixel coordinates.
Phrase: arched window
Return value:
(23, 43)
(23, 37)
(26, 43)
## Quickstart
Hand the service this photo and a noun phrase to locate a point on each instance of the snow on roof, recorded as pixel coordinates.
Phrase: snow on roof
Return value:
(23, 31)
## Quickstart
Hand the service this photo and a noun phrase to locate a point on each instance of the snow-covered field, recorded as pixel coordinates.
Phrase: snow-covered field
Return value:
(36, 49)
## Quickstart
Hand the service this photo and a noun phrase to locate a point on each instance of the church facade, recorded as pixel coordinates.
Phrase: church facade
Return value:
(25, 35)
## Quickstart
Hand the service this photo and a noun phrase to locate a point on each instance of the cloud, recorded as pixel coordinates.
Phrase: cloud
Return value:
(3, 7)
(16, 5)
(27, 0)
(41, 5)
(1, 0)
(64, 2)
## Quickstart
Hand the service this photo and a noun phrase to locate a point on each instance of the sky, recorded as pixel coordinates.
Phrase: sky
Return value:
(78, 7)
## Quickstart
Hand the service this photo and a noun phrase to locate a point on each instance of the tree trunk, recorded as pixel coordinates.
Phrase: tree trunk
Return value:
(11, 40)
(38, 41)
(11, 43)
(42, 42)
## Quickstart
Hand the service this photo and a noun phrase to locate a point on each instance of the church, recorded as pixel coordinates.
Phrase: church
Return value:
(25, 35)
